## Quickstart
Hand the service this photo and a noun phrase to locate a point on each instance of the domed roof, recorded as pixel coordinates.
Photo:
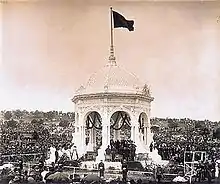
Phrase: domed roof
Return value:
(112, 79)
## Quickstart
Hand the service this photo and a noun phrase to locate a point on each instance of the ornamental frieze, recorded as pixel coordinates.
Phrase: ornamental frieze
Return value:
(130, 108)
(90, 101)
(111, 108)
(119, 100)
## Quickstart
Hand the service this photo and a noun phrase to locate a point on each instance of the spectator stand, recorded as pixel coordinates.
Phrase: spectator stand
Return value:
(191, 160)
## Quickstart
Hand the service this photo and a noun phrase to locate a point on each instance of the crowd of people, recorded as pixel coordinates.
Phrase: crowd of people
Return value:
(123, 149)
(58, 174)
(172, 144)
(32, 141)
(37, 174)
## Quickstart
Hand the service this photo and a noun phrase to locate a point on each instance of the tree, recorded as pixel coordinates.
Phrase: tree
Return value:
(216, 133)
(18, 114)
(64, 123)
(199, 124)
(45, 132)
(37, 114)
(205, 131)
(11, 123)
(172, 124)
(35, 123)
(8, 115)
(155, 128)
(50, 115)
(72, 115)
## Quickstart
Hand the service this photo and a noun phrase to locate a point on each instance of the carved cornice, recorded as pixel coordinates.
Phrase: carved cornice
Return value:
(112, 95)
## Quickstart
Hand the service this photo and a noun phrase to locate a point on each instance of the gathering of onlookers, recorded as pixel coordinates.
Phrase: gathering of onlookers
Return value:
(118, 150)
(171, 144)
(26, 144)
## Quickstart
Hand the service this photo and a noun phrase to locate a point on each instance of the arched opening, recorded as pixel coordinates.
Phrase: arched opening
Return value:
(93, 131)
(121, 147)
(143, 124)
(120, 126)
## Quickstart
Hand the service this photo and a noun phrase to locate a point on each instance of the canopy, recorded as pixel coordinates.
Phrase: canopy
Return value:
(58, 177)
(92, 177)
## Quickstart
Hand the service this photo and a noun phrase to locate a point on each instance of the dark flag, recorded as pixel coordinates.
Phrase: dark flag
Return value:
(120, 21)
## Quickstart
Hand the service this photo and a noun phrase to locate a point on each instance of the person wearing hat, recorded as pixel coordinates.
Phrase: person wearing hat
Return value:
(31, 180)
(101, 167)
(124, 170)
(20, 166)
(15, 180)
(159, 174)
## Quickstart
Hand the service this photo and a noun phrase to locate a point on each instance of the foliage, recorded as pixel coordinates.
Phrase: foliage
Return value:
(155, 128)
(11, 123)
(216, 133)
(45, 132)
(51, 115)
(64, 123)
(37, 123)
(199, 124)
(25, 115)
(205, 131)
(8, 115)
(37, 114)
(18, 114)
(172, 124)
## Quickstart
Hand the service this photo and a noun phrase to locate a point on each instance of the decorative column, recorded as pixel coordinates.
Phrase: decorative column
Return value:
(78, 139)
(108, 132)
(148, 133)
(81, 138)
(132, 132)
(145, 134)
(105, 135)
(134, 129)
(140, 148)
(77, 136)
(90, 146)
(84, 138)
(136, 133)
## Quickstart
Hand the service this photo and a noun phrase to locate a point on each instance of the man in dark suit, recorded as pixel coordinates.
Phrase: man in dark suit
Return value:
(124, 171)
(101, 167)
(56, 156)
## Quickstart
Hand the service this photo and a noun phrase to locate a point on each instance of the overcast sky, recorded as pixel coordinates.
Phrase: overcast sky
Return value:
(50, 47)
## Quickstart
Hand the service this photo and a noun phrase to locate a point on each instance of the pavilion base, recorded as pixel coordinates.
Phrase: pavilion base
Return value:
(101, 155)
(141, 148)
(90, 147)
(155, 157)
(92, 165)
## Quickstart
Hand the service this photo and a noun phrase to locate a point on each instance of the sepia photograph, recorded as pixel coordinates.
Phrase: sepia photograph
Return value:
(109, 91)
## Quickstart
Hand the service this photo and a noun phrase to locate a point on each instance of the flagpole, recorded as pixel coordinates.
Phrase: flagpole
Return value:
(111, 27)
(112, 56)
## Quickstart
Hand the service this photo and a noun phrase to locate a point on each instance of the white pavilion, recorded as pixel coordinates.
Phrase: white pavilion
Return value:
(111, 99)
